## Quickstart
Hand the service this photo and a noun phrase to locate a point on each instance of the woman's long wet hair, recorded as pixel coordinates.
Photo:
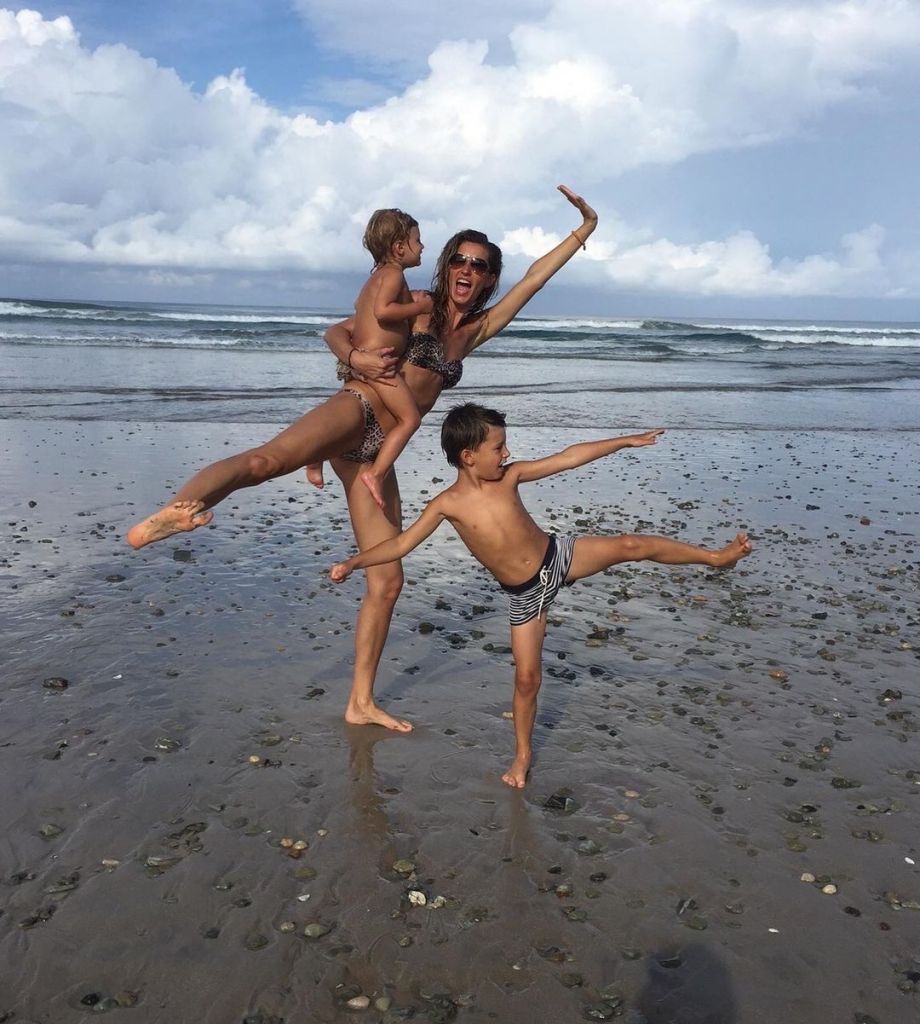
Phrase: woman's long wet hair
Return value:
(439, 289)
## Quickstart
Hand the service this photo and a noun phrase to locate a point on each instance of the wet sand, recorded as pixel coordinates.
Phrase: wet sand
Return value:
(704, 740)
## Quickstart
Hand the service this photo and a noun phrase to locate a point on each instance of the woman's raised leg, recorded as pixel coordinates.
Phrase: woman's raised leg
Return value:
(372, 525)
(329, 429)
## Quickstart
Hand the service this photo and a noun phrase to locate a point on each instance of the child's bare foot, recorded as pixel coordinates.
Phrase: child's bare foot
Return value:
(315, 475)
(374, 484)
(179, 517)
(370, 714)
(732, 553)
(516, 776)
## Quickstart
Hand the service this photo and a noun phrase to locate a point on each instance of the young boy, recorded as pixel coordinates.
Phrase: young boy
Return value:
(485, 509)
(382, 311)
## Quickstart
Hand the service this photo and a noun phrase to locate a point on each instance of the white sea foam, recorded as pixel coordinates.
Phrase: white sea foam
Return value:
(573, 323)
(247, 318)
(828, 329)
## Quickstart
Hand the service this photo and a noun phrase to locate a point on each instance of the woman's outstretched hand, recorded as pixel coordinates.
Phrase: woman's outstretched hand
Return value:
(586, 211)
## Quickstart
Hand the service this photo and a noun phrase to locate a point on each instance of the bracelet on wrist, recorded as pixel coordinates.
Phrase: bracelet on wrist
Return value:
(580, 242)
(348, 357)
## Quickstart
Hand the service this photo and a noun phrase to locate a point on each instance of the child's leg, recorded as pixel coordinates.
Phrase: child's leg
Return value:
(399, 401)
(527, 648)
(592, 554)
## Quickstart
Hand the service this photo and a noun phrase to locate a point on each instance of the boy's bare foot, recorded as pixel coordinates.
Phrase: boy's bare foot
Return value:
(516, 776)
(732, 553)
(315, 475)
(373, 715)
(179, 517)
(374, 484)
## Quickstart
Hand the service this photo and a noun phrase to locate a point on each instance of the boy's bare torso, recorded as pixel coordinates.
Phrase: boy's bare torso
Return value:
(493, 523)
(369, 332)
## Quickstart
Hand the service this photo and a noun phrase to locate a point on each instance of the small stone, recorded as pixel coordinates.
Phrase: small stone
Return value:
(55, 683)
(317, 930)
(50, 831)
(254, 759)
(127, 999)
(404, 867)
(287, 927)
(301, 844)
(571, 979)
(358, 1003)
(166, 744)
(286, 843)
(417, 897)
(382, 1003)
(561, 801)
(807, 876)
(829, 890)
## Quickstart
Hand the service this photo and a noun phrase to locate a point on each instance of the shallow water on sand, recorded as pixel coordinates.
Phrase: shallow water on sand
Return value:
(718, 734)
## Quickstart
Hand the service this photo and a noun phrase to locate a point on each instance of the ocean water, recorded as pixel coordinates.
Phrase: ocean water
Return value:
(184, 363)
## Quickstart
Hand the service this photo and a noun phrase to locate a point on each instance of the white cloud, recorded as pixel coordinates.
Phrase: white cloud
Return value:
(738, 265)
(111, 160)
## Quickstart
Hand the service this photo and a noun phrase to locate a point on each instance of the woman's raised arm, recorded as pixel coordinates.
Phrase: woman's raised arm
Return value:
(497, 317)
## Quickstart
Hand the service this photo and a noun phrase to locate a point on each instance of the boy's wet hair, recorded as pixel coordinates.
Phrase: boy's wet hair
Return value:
(466, 427)
(384, 230)
(439, 282)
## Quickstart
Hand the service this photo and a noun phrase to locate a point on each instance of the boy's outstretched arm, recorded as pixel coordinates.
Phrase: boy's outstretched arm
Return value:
(580, 454)
(395, 548)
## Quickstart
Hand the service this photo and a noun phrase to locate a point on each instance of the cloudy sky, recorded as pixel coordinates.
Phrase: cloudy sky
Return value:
(745, 156)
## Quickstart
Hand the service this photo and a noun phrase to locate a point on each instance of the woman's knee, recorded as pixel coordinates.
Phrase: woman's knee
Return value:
(262, 465)
(385, 587)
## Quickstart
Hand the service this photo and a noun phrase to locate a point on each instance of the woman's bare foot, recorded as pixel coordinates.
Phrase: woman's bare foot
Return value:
(373, 715)
(315, 475)
(516, 776)
(179, 517)
(732, 553)
(374, 484)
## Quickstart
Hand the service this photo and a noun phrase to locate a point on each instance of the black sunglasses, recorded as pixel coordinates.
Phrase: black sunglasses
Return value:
(481, 266)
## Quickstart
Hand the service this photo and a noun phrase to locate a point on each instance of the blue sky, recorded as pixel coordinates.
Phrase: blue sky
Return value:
(746, 156)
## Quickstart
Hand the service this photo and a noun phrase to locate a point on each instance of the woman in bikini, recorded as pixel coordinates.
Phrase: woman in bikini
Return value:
(347, 428)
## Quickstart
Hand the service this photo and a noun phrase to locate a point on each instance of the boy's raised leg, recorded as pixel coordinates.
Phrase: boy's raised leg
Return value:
(594, 554)
(527, 649)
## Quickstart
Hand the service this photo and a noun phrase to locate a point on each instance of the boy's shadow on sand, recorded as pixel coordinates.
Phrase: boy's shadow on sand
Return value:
(695, 988)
